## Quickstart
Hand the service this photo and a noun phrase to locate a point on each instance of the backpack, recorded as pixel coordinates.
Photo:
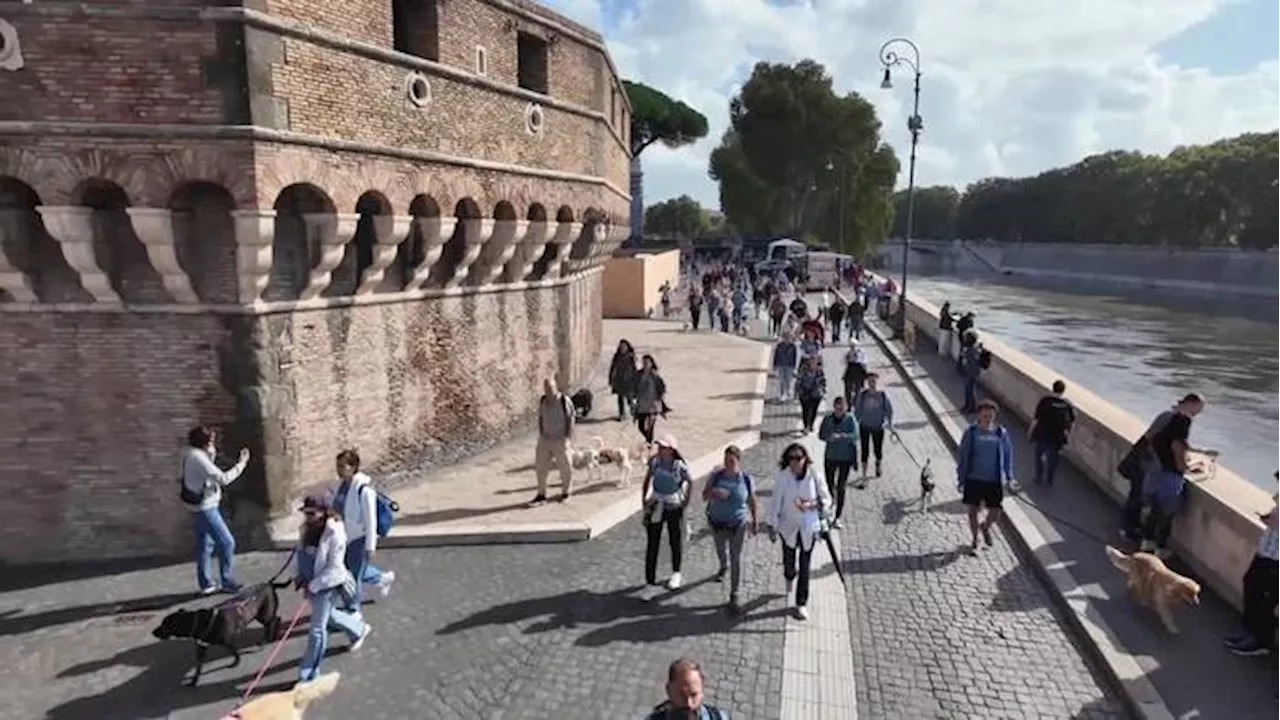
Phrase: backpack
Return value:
(384, 508)
(984, 359)
(661, 712)
(715, 476)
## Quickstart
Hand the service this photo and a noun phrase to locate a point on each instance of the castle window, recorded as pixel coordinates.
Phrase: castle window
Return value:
(531, 62)
(415, 28)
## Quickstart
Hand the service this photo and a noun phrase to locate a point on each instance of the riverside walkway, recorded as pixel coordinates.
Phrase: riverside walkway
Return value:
(557, 630)
(1188, 676)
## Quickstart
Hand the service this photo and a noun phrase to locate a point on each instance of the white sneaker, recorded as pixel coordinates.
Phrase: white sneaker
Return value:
(212, 589)
(802, 613)
(384, 584)
(675, 581)
(359, 643)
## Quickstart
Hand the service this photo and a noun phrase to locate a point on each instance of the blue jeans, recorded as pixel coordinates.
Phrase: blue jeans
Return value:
(1047, 456)
(357, 561)
(213, 534)
(326, 615)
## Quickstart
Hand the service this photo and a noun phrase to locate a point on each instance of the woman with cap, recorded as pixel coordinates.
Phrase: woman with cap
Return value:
(329, 586)
(731, 512)
(669, 478)
(797, 511)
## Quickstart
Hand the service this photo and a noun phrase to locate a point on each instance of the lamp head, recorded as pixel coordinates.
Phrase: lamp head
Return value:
(887, 81)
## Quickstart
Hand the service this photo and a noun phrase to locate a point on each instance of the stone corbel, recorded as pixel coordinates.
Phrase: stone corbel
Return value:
(12, 280)
(330, 232)
(616, 235)
(72, 227)
(527, 251)
(255, 234)
(435, 232)
(477, 232)
(566, 233)
(389, 231)
(154, 227)
(507, 236)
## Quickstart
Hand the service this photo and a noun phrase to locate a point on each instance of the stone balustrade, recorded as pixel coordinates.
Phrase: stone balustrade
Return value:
(1217, 531)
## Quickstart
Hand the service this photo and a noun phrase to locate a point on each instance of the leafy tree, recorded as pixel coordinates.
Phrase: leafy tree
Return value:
(802, 160)
(657, 117)
(681, 216)
(934, 215)
(1223, 193)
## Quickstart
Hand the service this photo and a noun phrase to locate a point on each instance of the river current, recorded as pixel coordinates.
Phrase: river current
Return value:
(1142, 357)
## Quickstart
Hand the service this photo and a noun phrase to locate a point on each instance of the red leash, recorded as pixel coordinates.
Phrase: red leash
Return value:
(274, 651)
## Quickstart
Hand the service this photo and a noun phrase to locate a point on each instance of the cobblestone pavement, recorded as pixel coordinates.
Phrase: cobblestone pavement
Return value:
(937, 633)
(550, 631)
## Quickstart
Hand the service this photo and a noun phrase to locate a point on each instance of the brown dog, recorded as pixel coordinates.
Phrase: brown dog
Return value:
(1153, 584)
(287, 704)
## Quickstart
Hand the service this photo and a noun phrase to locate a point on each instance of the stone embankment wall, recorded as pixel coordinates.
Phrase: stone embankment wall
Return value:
(1218, 529)
(1098, 268)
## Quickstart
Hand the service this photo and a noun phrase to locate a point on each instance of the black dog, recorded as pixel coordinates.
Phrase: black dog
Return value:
(225, 624)
(582, 401)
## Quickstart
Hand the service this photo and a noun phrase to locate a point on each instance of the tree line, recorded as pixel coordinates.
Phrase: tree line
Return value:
(1220, 194)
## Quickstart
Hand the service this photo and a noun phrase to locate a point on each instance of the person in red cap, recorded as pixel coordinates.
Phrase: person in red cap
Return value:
(670, 480)
(329, 586)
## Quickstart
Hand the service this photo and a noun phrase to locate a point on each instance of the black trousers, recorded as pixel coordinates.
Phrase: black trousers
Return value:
(1260, 588)
(646, 422)
(809, 411)
(869, 436)
(673, 520)
(837, 472)
(695, 316)
(795, 566)
(1131, 521)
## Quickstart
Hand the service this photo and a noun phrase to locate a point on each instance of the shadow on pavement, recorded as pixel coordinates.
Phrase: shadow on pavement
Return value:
(14, 623)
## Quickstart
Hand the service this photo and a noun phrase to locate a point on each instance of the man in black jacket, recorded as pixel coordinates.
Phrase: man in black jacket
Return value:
(1050, 431)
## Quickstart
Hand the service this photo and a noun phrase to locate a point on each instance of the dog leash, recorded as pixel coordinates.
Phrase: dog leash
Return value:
(271, 657)
(283, 567)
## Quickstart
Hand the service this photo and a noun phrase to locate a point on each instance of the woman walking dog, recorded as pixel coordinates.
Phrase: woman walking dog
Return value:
(329, 586)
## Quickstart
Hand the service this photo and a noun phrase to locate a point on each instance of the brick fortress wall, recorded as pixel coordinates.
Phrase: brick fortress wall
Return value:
(253, 217)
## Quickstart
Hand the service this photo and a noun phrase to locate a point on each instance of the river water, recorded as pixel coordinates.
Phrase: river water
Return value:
(1142, 357)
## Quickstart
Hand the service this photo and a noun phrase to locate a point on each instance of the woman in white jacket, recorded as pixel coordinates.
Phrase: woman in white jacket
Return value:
(329, 586)
(355, 500)
(797, 511)
(202, 483)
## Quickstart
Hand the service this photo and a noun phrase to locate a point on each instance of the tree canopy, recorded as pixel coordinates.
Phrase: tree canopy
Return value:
(797, 154)
(657, 117)
(1223, 194)
(682, 216)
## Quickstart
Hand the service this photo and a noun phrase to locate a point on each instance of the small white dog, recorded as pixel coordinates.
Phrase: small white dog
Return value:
(591, 457)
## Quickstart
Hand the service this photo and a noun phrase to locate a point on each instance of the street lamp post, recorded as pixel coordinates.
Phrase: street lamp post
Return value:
(890, 58)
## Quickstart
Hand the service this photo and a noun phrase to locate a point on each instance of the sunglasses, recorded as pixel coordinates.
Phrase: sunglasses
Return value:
(793, 458)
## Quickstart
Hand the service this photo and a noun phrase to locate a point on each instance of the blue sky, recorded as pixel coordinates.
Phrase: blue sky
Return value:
(1011, 87)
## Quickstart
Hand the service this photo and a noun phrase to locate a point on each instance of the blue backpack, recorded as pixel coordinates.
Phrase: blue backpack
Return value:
(384, 508)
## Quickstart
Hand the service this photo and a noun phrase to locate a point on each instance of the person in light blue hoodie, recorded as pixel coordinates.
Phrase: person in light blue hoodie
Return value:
(984, 463)
(786, 356)
(839, 430)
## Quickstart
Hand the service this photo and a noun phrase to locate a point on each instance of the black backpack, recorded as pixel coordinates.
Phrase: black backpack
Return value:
(984, 359)
(661, 711)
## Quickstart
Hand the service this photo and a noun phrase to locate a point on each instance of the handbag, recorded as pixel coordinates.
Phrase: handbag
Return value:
(185, 494)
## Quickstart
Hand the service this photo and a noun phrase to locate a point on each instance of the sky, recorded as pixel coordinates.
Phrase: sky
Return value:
(1009, 87)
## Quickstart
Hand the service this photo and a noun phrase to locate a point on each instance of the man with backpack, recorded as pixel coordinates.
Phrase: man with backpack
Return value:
(684, 695)
(973, 360)
(555, 433)
(1050, 430)
(984, 463)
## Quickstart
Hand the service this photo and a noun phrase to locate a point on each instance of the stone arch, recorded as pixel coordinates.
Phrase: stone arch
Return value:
(455, 249)
(32, 267)
(301, 211)
(418, 253)
(358, 254)
(506, 230)
(537, 213)
(204, 236)
(120, 253)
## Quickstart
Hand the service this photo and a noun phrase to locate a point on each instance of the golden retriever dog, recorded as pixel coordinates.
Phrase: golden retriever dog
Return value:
(1153, 584)
(287, 704)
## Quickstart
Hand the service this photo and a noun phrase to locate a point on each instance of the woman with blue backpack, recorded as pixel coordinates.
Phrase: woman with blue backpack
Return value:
(361, 508)
(732, 511)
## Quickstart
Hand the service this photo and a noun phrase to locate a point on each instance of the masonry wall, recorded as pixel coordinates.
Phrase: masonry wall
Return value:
(96, 404)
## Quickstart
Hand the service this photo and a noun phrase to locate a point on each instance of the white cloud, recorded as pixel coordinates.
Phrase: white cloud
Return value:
(1010, 87)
